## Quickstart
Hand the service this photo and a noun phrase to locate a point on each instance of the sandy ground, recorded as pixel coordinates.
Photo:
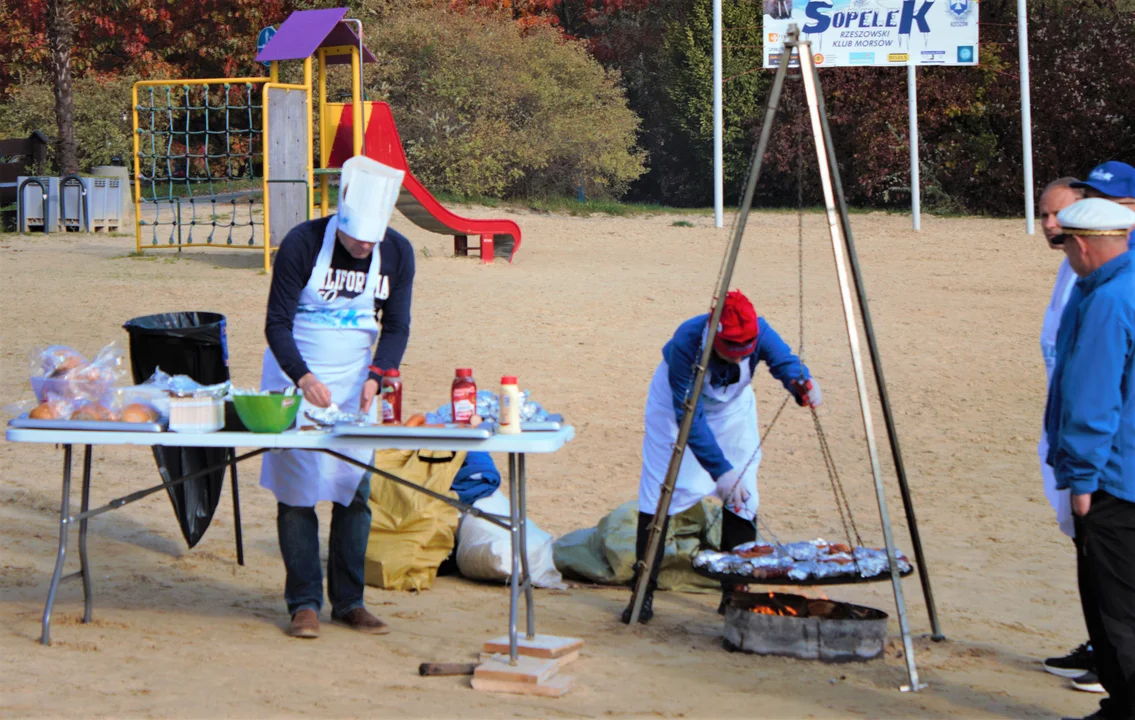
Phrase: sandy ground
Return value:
(580, 317)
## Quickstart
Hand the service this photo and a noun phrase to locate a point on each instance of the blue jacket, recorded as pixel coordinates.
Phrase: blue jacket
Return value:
(683, 352)
(1090, 416)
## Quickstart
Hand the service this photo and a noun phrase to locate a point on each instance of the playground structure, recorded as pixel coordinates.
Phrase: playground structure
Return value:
(249, 144)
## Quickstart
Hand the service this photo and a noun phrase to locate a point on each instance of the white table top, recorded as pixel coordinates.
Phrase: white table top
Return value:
(529, 442)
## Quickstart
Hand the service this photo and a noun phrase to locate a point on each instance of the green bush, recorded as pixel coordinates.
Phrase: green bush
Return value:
(485, 108)
(102, 117)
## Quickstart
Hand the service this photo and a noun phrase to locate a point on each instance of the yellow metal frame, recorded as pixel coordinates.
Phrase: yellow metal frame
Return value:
(270, 82)
(138, 162)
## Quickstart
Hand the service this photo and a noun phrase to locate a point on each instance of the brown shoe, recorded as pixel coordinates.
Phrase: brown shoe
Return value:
(305, 624)
(360, 619)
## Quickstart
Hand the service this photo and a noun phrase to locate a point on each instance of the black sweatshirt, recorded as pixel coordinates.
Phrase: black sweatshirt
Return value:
(295, 261)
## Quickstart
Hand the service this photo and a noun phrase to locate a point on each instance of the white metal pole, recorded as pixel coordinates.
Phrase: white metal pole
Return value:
(915, 184)
(1026, 112)
(718, 170)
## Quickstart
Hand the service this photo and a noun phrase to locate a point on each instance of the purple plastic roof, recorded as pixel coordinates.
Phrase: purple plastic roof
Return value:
(305, 31)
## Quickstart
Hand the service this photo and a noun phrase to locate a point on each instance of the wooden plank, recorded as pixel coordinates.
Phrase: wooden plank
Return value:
(561, 662)
(287, 160)
(555, 687)
(541, 646)
(527, 669)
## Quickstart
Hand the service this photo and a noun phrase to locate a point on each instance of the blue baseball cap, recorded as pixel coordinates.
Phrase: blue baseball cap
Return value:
(1114, 179)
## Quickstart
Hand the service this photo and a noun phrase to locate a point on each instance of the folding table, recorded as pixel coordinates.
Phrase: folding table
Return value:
(516, 446)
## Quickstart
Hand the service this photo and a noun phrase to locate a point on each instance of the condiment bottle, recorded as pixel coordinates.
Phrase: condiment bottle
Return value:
(392, 397)
(463, 396)
(509, 406)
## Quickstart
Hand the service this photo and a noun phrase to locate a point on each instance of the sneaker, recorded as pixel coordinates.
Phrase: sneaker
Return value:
(1088, 682)
(1072, 665)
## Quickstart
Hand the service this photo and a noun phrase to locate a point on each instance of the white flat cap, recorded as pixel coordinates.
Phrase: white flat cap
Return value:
(1095, 216)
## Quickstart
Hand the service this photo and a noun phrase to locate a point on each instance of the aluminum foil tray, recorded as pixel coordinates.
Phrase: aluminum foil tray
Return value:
(484, 431)
(551, 424)
(847, 579)
(24, 422)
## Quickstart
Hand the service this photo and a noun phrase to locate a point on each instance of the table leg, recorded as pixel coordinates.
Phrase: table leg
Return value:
(514, 535)
(64, 515)
(526, 579)
(84, 567)
(236, 515)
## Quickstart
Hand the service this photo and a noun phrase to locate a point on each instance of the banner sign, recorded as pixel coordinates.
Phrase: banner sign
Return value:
(875, 32)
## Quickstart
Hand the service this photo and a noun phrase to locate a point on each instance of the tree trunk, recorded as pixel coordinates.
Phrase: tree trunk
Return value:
(60, 31)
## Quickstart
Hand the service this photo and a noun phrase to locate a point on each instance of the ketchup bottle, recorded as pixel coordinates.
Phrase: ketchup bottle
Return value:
(463, 396)
(392, 398)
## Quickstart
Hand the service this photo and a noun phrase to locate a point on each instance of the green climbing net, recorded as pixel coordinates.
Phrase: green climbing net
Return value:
(200, 160)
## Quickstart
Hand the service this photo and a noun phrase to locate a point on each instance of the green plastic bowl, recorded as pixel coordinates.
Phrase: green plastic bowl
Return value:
(267, 413)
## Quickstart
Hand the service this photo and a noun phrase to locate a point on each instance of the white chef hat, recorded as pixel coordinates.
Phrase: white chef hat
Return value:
(368, 192)
(1095, 216)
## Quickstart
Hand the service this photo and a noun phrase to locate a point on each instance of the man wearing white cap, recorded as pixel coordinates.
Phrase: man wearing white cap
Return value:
(1090, 423)
(1113, 181)
(332, 280)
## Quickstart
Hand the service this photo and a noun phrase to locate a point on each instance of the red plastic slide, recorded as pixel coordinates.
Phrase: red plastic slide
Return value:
(499, 238)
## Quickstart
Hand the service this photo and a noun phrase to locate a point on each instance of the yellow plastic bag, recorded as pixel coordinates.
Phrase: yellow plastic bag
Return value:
(410, 532)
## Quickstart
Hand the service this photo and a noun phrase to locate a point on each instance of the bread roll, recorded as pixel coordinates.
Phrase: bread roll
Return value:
(139, 413)
(416, 421)
(44, 411)
(92, 411)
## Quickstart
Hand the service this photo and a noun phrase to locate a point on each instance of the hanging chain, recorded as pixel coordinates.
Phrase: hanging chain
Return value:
(843, 506)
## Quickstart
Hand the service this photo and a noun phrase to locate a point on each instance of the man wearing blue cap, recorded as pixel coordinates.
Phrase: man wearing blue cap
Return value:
(1113, 181)
(1090, 423)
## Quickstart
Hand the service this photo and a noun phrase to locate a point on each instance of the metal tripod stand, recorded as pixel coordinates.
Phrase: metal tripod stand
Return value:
(843, 249)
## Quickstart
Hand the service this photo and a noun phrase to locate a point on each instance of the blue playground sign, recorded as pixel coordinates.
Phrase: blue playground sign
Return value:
(263, 38)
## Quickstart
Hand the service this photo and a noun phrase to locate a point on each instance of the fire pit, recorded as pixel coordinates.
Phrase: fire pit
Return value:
(806, 628)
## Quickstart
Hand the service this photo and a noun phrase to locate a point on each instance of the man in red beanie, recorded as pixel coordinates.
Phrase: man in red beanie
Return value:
(723, 451)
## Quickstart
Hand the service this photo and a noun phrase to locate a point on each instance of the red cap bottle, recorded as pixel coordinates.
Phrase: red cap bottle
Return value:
(463, 396)
(392, 398)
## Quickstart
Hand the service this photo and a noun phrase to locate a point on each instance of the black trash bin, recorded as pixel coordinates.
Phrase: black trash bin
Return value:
(193, 344)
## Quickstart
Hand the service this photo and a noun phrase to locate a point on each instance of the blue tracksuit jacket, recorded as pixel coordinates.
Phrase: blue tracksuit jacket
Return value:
(681, 354)
(1090, 416)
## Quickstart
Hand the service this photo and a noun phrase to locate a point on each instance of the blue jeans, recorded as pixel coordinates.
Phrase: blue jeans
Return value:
(298, 528)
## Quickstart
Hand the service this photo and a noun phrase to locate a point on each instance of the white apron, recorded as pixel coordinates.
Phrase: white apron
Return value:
(335, 338)
(730, 412)
(1059, 499)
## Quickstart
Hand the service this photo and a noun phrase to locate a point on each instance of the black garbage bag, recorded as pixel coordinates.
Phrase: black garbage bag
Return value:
(193, 344)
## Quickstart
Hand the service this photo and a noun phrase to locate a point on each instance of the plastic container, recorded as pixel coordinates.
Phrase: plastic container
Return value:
(194, 344)
(196, 415)
(463, 396)
(509, 406)
(392, 398)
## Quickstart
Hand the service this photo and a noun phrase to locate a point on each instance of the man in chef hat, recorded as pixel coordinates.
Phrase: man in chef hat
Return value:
(723, 450)
(339, 284)
(1090, 423)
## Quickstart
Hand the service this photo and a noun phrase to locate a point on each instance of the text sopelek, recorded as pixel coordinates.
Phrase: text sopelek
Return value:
(816, 12)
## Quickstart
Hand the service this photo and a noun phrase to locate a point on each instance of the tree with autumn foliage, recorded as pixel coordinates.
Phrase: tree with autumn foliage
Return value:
(147, 38)
(60, 31)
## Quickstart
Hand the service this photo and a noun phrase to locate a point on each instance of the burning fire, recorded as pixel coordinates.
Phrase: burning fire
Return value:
(781, 610)
(766, 610)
